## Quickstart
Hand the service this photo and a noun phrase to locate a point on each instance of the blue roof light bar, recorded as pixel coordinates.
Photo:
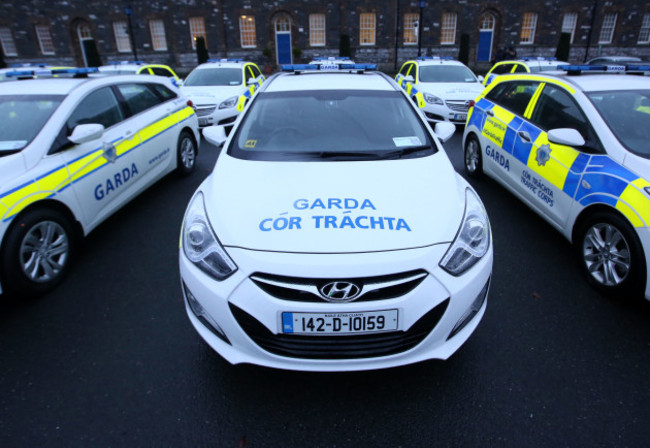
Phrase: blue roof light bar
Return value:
(596, 68)
(226, 60)
(53, 71)
(435, 58)
(537, 58)
(316, 67)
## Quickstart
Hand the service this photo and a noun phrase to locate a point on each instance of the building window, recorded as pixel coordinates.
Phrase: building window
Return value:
(607, 30)
(247, 32)
(7, 42)
(528, 25)
(411, 24)
(448, 28)
(317, 30)
(45, 39)
(644, 33)
(158, 38)
(197, 29)
(569, 23)
(367, 29)
(122, 37)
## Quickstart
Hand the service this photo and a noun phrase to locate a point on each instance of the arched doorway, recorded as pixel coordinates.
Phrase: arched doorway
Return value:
(485, 37)
(83, 36)
(283, 39)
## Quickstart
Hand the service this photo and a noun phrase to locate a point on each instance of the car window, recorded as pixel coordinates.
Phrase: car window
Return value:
(501, 69)
(405, 69)
(446, 73)
(138, 97)
(22, 117)
(556, 109)
(100, 106)
(214, 77)
(329, 124)
(520, 68)
(513, 95)
(256, 71)
(161, 71)
(248, 73)
(164, 92)
(627, 113)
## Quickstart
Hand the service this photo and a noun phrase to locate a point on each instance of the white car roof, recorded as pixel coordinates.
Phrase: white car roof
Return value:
(594, 83)
(427, 62)
(221, 65)
(288, 82)
(63, 86)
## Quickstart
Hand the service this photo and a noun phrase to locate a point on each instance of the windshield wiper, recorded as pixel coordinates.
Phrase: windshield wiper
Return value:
(398, 154)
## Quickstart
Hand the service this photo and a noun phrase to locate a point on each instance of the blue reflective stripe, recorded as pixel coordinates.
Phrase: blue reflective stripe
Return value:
(521, 149)
(604, 164)
(599, 198)
(600, 182)
(510, 138)
(575, 174)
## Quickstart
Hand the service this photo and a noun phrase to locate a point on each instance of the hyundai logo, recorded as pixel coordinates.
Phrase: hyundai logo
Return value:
(340, 291)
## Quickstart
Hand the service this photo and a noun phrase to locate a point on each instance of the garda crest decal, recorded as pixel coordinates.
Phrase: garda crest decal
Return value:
(543, 155)
(110, 152)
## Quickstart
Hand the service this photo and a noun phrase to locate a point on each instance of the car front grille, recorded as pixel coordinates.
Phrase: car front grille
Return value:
(203, 111)
(339, 347)
(457, 105)
(308, 289)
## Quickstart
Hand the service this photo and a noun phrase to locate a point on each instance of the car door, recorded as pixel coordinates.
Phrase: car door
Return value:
(151, 111)
(504, 151)
(553, 171)
(100, 170)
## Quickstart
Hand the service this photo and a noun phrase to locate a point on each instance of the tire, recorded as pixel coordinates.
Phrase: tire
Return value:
(472, 158)
(38, 250)
(611, 256)
(186, 153)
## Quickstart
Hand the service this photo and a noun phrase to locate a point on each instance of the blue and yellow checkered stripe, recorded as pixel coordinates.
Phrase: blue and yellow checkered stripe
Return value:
(47, 185)
(588, 179)
(241, 102)
(411, 90)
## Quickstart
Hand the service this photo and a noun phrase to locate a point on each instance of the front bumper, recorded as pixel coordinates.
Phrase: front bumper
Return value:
(210, 114)
(244, 323)
(451, 112)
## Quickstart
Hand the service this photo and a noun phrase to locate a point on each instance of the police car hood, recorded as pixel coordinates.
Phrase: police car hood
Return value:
(335, 207)
(452, 90)
(202, 95)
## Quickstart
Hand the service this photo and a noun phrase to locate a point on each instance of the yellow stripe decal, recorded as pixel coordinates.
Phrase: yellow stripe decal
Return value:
(495, 127)
(556, 169)
(533, 101)
(14, 202)
(635, 204)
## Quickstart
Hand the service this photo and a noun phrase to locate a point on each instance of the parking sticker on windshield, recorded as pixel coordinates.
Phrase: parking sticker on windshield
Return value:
(250, 144)
(407, 141)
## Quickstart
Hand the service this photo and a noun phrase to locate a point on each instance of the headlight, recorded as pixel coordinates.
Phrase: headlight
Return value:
(201, 245)
(432, 99)
(473, 238)
(230, 102)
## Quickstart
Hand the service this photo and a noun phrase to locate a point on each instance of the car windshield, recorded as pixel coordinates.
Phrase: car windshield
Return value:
(214, 77)
(627, 112)
(331, 125)
(22, 117)
(544, 67)
(446, 73)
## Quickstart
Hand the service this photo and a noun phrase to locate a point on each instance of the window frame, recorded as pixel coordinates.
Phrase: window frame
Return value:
(606, 26)
(410, 19)
(499, 90)
(317, 30)
(45, 39)
(247, 33)
(122, 41)
(645, 28)
(8, 42)
(365, 29)
(528, 28)
(158, 36)
(446, 28)
(197, 29)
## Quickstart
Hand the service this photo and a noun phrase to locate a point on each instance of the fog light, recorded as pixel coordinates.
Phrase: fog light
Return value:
(203, 316)
(474, 308)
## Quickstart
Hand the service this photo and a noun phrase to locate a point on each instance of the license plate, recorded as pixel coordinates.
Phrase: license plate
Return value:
(203, 121)
(366, 322)
(460, 117)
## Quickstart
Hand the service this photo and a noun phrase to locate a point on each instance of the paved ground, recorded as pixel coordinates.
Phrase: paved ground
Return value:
(110, 359)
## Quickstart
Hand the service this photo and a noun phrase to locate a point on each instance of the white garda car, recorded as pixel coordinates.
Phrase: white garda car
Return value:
(73, 151)
(442, 87)
(220, 88)
(573, 146)
(334, 233)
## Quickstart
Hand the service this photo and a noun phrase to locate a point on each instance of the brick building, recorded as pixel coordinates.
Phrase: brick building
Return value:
(271, 32)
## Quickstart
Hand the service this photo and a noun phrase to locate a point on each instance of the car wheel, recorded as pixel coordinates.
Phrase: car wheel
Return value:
(186, 153)
(37, 252)
(611, 255)
(472, 157)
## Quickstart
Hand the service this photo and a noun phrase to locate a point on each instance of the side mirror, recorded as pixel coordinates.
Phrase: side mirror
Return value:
(215, 135)
(444, 131)
(409, 78)
(480, 78)
(251, 81)
(565, 136)
(83, 133)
